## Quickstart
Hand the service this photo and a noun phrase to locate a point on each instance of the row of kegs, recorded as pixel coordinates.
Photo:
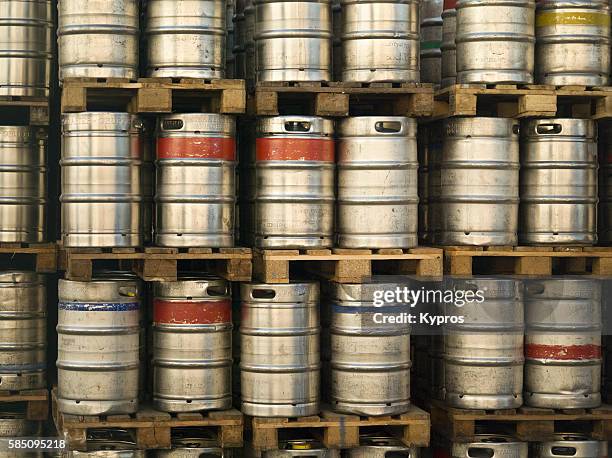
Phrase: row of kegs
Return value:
(537, 342)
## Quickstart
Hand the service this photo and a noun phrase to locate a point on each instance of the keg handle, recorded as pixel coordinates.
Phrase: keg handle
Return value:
(548, 129)
(219, 291)
(261, 293)
(535, 288)
(563, 451)
(298, 126)
(172, 124)
(480, 452)
(388, 127)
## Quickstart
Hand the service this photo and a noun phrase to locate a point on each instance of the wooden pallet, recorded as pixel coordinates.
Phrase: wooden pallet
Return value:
(158, 264)
(154, 95)
(45, 254)
(527, 260)
(345, 265)
(152, 428)
(36, 402)
(341, 99)
(32, 111)
(336, 430)
(526, 423)
(522, 101)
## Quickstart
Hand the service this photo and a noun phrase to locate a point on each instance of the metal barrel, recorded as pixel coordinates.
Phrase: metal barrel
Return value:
(370, 359)
(14, 425)
(436, 357)
(474, 189)
(192, 345)
(108, 443)
(431, 41)
(23, 331)
(305, 448)
(186, 39)
(101, 170)
(572, 42)
(495, 41)
(98, 38)
(26, 50)
(192, 443)
(563, 343)
(558, 184)
(279, 349)
(23, 184)
(376, 445)
(98, 346)
(147, 180)
(448, 47)
(423, 146)
(294, 168)
(377, 204)
(604, 215)
(491, 446)
(569, 444)
(239, 40)
(230, 60)
(483, 355)
(336, 9)
(195, 191)
(434, 173)
(293, 40)
(380, 40)
(247, 183)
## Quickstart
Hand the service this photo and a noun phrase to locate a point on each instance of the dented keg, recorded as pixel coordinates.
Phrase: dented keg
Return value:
(570, 444)
(195, 190)
(23, 184)
(279, 349)
(98, 346)
(26, 47)
(377, 194)
(572, 42)
(101, 170)
(563, 343)
(376, 445)
(490, 446)
(294, 167)
(98, 38)
(495, 41)
(192, 345)
(186, 39)
(293, 40)
(306, 448)
(483, 355)
(448, 47)
(431, 40)
(370, 360)
(558, 182)
(380, 40)
(23, 331)
(474, 184)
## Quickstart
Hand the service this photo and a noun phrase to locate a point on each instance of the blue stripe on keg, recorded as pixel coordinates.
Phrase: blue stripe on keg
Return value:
(383, 309)
(99, 306)
(5, 368)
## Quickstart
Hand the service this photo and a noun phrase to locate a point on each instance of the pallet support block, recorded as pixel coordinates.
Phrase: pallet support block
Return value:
(460, 103)
(46, 262)
(232, 101)
(79, 269)
(416, 105)
(159, 269)
(603, 107)
(530, 430)
(537, 105)
(266, 103)
(151, 438)
(74, 99)
(602, 266)
(536, 265)
(154, 100)
(329, 104)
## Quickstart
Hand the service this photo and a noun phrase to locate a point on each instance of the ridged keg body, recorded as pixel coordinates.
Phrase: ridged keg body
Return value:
(195, 191)
(449, 48)
(279, 349)
(23, 184)
(101, 171)
(431, 40)
(377, 204)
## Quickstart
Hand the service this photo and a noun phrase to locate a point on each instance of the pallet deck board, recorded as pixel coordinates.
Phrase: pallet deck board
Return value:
(36, 402)
(159, 264)
(152, 427)
(154, 95)
(345, 265)
(521, 101)
(341, 99)
(530, 423)
(338, 430)
(33, 111)
(45, 254)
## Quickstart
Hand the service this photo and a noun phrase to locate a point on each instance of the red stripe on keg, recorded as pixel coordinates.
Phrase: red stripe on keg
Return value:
(295, 149)
(192, 312)
(450, 4)
(562, 352)
(196, 147)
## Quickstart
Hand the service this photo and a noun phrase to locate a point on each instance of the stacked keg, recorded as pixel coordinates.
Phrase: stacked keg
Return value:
(192, 345)
(98, 330)
(569, 444)
(23, 184)
(604, 215)
(26, 29)
(279, 349)
(381, 445)
(448, 70)
(195, 189)
(431, 41)
(14, 425)
(490, 445)
(98, 39)
(105, 211)
(301, 447)
(23, 331)
(189, 443)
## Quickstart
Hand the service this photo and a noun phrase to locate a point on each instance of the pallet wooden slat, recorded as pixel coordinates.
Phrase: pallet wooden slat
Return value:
(36, 402)
(45, 254)
(32, 111)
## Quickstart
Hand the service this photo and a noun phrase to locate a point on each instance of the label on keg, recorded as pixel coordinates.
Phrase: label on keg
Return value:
(192, 312)
(574, 18)
(295, 149)
(196, 148)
